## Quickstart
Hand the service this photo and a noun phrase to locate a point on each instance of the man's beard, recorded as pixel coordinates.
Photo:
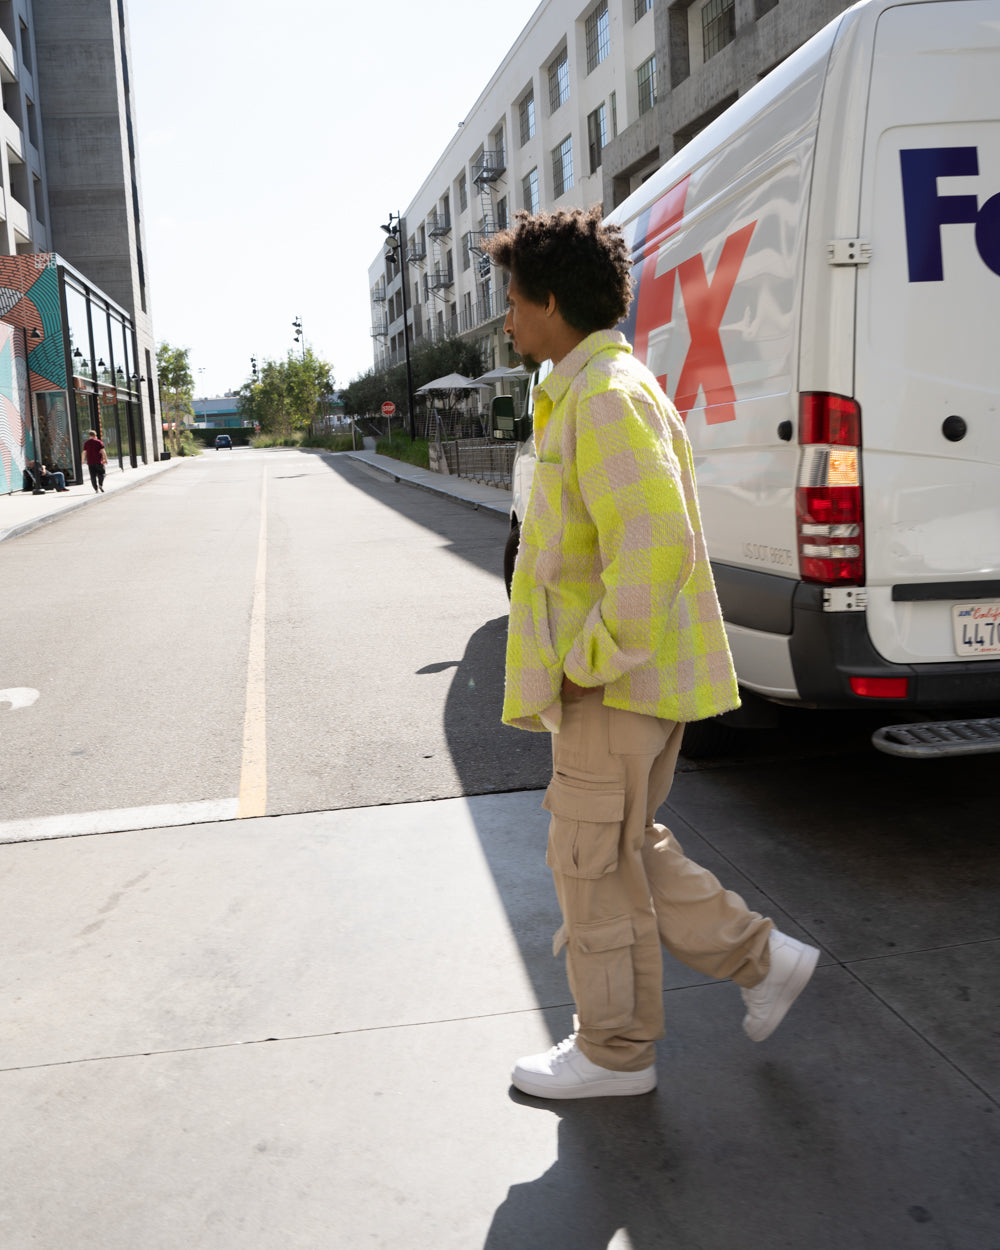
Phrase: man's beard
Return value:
(529, 362)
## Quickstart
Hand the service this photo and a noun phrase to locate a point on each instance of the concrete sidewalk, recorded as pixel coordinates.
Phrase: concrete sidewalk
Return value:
(22, 511)
(473, 494)
(297, 1031)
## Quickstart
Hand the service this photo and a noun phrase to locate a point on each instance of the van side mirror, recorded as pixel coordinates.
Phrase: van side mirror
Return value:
(503, 423)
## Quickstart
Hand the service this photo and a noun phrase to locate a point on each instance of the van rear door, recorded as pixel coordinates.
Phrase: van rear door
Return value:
(928, 350)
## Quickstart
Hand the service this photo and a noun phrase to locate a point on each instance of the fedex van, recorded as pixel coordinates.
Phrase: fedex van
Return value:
(818, 290)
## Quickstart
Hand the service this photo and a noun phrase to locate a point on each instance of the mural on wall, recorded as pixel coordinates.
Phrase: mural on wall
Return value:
(17, 445)
(32, 361)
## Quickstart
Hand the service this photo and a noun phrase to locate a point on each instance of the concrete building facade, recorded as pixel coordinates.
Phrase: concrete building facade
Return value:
(586, 105)
(534, 139)
(709, 53)
(70, 191)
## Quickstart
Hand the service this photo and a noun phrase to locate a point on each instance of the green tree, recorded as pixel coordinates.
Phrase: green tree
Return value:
(176, 390)
(286, 395)
(365, 395)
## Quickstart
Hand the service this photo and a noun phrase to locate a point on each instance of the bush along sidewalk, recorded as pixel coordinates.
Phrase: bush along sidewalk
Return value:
(318, 442)
(399, 447)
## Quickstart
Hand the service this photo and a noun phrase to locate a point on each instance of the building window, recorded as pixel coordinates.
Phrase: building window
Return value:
(558, 81)
(646, 77)
(597, 136)
(764, 6)
(526, 111)
(32, 122)
(39, 200)
(642, 7)
(502, 213)
(25, 47)
(598, 36)
(466, 258)
(562, 167)
(463, 194)
(529, 192)
(614, 115)
(718, 25)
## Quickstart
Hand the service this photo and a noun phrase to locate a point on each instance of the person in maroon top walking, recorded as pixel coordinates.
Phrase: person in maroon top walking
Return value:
(96, 458)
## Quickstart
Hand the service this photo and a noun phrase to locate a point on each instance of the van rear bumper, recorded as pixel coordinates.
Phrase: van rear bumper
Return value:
(827, 649)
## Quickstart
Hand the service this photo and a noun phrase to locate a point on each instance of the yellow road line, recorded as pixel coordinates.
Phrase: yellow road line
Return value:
(253, 770)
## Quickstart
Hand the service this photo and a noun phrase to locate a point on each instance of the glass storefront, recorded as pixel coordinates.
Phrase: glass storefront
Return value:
(86, 418)
(78, 326)
(52, 414)
(109, 427)
(52, 319)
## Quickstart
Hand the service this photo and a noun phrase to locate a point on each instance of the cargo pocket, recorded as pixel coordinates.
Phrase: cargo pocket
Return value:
(585, 830)
(599, 957)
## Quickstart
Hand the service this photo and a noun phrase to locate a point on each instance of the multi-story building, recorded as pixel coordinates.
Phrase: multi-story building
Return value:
(74, 304)
(709, 53)
(534, 139)
(585, 106)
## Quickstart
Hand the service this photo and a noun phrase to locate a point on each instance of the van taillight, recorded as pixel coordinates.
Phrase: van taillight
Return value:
(828, 494)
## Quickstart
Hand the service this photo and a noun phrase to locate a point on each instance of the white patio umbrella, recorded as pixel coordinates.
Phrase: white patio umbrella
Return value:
(450, 382)
(494, 375)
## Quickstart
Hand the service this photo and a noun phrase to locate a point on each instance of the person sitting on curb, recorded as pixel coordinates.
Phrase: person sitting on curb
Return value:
(53, 479)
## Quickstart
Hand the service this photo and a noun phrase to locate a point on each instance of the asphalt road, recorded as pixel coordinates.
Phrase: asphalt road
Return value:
(299, 628)
(383, 636)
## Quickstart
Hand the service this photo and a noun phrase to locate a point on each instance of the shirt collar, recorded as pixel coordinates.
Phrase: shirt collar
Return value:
(558, 382)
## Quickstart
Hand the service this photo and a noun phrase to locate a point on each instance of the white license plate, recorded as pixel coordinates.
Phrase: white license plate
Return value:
(977, 628)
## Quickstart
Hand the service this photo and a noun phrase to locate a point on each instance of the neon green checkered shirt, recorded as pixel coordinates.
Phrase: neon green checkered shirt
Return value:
(612, 584)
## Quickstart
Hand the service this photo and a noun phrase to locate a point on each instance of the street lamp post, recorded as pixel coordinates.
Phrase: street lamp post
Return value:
(395, 253)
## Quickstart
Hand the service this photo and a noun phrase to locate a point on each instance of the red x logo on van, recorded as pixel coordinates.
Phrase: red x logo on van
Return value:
(705, 303)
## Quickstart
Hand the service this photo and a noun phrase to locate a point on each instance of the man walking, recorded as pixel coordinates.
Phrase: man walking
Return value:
(615, 641)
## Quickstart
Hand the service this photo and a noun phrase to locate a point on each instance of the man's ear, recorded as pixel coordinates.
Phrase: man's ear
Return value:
(550, 305)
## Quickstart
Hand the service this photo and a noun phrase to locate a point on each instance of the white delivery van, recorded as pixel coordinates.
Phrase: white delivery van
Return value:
(818, 290)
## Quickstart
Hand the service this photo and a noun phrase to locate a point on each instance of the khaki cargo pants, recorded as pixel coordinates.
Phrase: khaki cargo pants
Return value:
(624, 884)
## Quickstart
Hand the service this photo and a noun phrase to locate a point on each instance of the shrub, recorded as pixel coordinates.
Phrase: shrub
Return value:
(400, 448)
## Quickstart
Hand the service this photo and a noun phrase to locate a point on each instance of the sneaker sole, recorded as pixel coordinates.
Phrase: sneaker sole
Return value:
(796, 983)
(617, 1088)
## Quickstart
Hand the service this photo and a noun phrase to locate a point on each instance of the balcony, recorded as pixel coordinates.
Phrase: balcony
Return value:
(415, 254)
(476, 238)
(440, 279)
(378, 297)
(438, 224)
(380, 328)
(488, 167)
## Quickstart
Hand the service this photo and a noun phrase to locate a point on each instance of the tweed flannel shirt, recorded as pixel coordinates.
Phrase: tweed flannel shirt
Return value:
(612, 584)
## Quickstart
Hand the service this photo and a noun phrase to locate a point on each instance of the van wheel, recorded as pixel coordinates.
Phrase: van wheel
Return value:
(510, 555)
(706, 739)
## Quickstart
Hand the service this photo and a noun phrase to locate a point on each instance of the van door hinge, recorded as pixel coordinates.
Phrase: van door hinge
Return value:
(845, 599)
(849, 252)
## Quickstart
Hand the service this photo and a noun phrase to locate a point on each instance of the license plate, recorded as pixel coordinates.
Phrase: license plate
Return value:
(977, 628)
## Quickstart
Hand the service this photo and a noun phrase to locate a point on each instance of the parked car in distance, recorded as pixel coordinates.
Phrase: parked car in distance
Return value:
(223, 440)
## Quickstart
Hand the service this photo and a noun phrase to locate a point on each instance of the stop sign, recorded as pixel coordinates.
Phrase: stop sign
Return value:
(388, 408)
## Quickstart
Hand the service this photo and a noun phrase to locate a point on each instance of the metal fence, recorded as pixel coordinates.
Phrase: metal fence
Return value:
(480, 460)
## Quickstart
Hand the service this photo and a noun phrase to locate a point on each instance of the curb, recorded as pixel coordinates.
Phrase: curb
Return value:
(501, 508)
(25, 527)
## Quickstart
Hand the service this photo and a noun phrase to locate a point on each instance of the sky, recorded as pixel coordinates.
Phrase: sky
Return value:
(274, 140)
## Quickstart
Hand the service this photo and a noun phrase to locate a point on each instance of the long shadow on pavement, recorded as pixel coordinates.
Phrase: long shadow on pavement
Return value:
(878, 1094)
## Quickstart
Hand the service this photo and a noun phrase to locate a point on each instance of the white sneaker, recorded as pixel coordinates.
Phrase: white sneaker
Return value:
(792, 965)
(566, 1072)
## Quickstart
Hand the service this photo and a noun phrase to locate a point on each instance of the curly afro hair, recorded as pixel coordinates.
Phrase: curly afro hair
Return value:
(571, 255)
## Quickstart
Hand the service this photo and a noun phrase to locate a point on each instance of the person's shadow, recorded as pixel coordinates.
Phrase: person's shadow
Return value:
(613, 1160)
